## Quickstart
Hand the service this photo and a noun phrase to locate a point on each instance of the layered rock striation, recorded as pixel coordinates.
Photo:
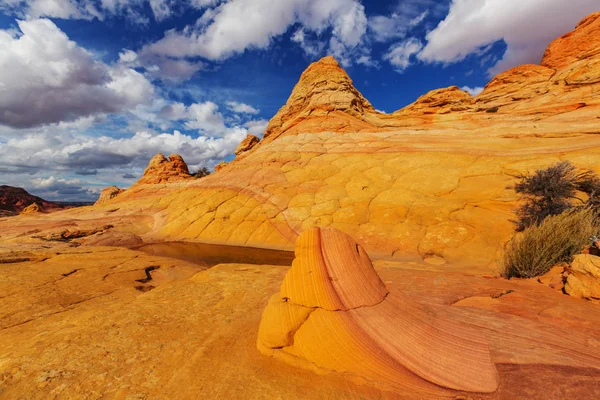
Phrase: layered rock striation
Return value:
(334, 311)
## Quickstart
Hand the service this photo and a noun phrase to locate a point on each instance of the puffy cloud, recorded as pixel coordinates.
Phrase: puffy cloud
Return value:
(527, 27)
(241, 108)
(205, 117)
(237, 25)
(473, 91)
(399, 55)
(46, 78)
(311, 47)
(67, 152)
(163, 68)
(257, 127)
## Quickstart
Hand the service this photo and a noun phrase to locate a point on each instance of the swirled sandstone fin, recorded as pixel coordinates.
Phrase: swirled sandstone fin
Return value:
(335, 312)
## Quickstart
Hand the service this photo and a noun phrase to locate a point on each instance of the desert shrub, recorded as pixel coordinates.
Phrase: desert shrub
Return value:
(554, 190)
(202, 172)
(492, 110)
(556, 239)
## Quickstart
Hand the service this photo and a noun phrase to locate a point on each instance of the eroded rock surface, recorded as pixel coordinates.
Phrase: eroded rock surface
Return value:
(14, 200)
(108, 194)
(33, 208)
(162, 170)
(334, 312)
(247, 144)
(584, 277)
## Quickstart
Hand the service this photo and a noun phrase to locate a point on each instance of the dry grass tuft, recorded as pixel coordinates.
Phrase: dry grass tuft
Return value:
(556, 239)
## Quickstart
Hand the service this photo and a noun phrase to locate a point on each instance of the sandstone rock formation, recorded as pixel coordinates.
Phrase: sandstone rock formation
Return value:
(573, 46)
(220, 166)
(334, 311)
(164, 170)
(31, 209)
(108, 193)
(584, 277)
(324, 95)
(425, 187)
(247, 144)
(14, 200)
(425, 182)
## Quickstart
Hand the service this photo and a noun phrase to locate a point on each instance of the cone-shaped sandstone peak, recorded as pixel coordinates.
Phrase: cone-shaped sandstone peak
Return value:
(324, 88)
(162, 170)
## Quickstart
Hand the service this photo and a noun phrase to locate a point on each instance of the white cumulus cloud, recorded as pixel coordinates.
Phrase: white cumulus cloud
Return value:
(399, 54)
(527, 27)
(46, 78)
(241, 108)
(473, 91)
(237, 25)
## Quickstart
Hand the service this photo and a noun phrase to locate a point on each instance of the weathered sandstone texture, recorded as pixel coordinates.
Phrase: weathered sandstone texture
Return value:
(334, 311)
(82, 316)
(584, 277)
(247, 144)
(108, 193)
(80, 321)
(162, 170)
(33, 208)
(576, 45)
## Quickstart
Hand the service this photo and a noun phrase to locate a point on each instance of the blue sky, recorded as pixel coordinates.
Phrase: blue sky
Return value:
(90, 90)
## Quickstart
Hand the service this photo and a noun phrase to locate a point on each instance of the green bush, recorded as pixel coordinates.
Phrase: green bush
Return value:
(556, 239)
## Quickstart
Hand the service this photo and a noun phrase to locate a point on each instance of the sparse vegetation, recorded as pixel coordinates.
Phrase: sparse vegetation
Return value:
(556, 239)
(557, 219)
(554, 190)
(492, 110)
(202, 172)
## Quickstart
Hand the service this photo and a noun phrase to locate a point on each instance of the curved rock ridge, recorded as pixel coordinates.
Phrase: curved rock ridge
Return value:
(108, 194)
(442, 101)
(335, 312)
(583, 42)
(162, 170)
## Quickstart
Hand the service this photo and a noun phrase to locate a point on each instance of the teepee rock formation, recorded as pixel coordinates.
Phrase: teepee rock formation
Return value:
(335, 312)
(326, 97)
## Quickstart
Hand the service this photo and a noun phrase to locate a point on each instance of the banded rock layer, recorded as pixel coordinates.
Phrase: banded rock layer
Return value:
(334, 311)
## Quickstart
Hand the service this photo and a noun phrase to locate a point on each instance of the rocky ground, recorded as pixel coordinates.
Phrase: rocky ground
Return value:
(423, 190)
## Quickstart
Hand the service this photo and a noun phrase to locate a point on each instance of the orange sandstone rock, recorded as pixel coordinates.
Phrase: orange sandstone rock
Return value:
(220, 166)
(571, 47)
(584, 279)
(324, 88)
(108, 193)
(247, 144)
(31, 209)
(333, 311)
(163, 170)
